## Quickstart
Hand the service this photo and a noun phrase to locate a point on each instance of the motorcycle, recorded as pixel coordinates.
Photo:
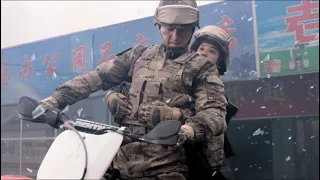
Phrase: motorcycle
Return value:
(85, 150)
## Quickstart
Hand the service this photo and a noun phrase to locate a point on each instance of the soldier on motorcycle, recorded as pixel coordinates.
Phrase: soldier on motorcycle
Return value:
(158, 74)
(210, 42)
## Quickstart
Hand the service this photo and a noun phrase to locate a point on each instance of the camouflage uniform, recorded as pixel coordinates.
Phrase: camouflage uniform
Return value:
(156, 77)
(196, 77)
(184, 103)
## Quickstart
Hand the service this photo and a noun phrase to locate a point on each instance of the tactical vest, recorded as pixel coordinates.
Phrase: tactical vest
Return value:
(152, 81)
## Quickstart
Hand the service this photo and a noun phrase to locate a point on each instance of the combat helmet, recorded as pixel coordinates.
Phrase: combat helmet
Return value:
(219, 38)
(179, 14)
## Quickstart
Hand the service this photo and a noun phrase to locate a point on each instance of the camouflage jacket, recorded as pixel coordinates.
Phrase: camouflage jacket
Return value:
(197, 77)
(184, 102)
(186, 106)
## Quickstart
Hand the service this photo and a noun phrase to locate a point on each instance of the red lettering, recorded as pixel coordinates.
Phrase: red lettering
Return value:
(79, 59)
(26, 69)
(105, 59)
(50, 68)
(104, 51)
(224, 23)
(309, 11)
(105, 48)
(141, 40)
(4, 74)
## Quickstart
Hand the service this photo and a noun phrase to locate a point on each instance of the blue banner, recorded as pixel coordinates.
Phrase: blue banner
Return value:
(36, 69)
(236, 18)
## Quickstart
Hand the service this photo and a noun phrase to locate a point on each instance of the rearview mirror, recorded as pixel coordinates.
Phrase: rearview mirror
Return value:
(26, 105)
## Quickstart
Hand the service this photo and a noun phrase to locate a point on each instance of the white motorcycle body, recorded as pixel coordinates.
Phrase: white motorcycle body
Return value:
(66, 157)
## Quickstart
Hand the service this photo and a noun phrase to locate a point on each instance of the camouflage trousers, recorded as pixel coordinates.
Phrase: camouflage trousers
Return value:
(144, 161)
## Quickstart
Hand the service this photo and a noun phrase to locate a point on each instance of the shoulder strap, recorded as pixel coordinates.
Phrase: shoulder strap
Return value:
(119, 54)
(139, 54)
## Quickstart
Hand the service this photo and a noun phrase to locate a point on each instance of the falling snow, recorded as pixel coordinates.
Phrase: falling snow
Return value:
(54, 75)
(29, 170)
(79, 112)
(259, 89)
(288, 158)
(65, 109)
(257, 132)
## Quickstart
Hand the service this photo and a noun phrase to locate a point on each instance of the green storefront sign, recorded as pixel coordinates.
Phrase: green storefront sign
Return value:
(288, 37)
(302, 59)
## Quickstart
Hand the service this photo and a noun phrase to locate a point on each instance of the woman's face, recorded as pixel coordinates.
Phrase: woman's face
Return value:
(209, 51)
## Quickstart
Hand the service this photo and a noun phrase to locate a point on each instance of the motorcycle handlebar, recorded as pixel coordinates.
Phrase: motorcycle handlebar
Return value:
(164, 133)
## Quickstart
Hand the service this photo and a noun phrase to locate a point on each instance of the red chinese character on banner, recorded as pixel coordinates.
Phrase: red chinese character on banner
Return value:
(141, 40)
(267, 66)
(79, 59)
(50, 68)
(276, 66)
(26, 68)
(104, 51)
(307, 11)
(4, 74)
(224, 23)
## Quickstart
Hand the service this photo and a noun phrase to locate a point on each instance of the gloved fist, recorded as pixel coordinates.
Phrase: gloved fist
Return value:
(157, 112)
(49, 102)
(186, 132)
(112, 174)
(118, 104)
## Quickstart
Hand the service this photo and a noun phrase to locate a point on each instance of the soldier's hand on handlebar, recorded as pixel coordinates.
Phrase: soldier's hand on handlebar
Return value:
(49, 102)
(118, 104)
(157, 112)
